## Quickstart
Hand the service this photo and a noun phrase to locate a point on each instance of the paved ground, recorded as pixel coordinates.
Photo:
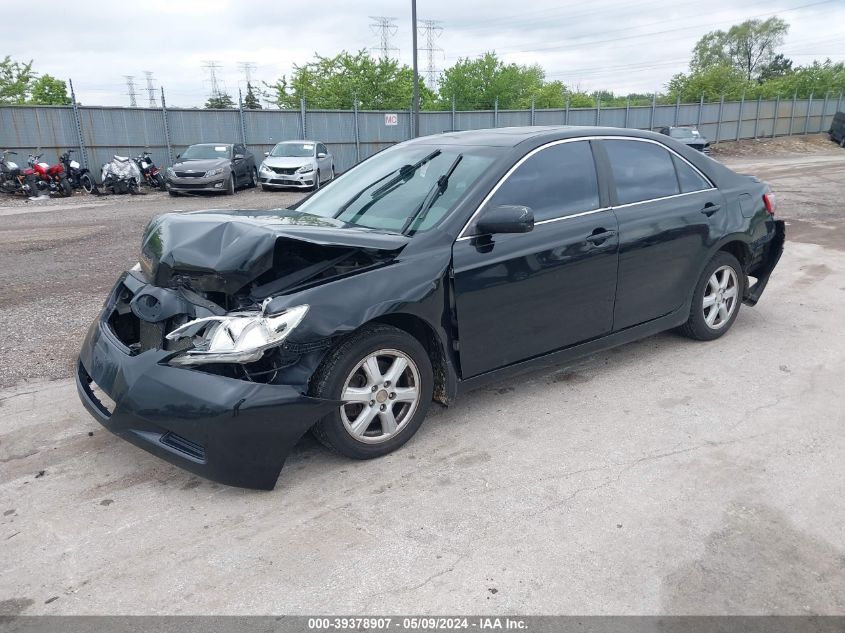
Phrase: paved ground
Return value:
(663, 477)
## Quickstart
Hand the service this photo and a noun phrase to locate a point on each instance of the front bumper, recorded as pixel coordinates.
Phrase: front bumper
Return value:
(298, 181)
(194, 185)
(232, 431)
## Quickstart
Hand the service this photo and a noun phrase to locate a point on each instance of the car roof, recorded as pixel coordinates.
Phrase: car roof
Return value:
(211, 144)
(513, 136)
(297, 141)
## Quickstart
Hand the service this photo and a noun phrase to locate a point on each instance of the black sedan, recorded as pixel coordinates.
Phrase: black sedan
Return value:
(432, 268)
(212, 168)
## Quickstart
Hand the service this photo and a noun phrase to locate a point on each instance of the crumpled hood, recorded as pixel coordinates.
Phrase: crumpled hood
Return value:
(223, 251)
(200, 165)
(288, 161)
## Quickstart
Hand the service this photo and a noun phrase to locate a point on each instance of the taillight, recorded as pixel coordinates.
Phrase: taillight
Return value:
(771, 202)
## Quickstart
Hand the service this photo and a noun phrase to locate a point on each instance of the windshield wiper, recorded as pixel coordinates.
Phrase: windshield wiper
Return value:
(404, 172)
(431, 197)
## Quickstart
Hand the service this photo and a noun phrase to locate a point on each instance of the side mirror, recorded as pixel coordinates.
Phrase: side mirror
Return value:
(507, 218)
(321, 155)
(177, 156)
(239, 156)
(266, 153)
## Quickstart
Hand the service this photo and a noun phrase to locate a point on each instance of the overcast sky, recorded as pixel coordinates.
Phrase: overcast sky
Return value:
(619, 45)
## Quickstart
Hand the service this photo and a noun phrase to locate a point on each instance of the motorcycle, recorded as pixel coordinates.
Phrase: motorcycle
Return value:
(12, 178)
(121, 175)
(78, 176)
(152, 174)
(47, 179)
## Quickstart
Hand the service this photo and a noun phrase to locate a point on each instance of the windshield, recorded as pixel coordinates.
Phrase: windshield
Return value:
(681, 132)
(203, 152)
(389, 191)
(301, 150)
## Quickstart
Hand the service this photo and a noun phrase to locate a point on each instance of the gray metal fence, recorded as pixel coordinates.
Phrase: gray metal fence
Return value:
(352, 135)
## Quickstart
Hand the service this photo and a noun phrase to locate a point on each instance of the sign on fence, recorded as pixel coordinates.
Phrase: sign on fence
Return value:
(391, 119)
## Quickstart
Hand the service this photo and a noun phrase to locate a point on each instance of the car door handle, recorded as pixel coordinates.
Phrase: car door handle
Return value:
(710, 208)
(600, 235)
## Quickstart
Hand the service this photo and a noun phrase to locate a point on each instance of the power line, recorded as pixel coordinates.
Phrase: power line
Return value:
(432, 31)
(384, 28)
(130, 90)
(212, 67)
(151, 91)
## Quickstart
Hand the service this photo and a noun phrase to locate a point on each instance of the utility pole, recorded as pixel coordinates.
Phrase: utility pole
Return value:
(385, 28)
(130, 90)
(151, 91)
(432, 31)
(212, 67)
(415, 102)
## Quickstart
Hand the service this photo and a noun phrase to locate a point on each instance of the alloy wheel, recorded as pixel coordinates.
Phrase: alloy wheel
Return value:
(720, 297)
(380, 396)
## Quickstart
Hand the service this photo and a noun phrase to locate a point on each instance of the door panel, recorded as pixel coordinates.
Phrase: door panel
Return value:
(523, 295)
(662, 246)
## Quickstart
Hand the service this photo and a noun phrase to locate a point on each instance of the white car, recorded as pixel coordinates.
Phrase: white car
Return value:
(300, 164)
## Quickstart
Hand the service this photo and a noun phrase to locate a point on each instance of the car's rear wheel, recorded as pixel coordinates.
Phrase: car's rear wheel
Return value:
(384, 379)
(717, 299)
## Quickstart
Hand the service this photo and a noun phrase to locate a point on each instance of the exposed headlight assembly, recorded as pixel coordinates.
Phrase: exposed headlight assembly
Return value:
(305, 169)
(238, 337)
(213, 172)
(265, 168)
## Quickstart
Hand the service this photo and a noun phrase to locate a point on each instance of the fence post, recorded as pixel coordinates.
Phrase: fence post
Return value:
(700, 109)
(653, 106)
(824, 112)
(166, 129)
(241, 116)
(566, 113)
(454, 114)
(792, 113)
(777, 116)
(598, 111)
(533, 103)
(757, 115)
(83, 153)
(302, 118)
(627, 110)
(809, 109)
(719, 121)
(677, 108)
(357, 131)
(739, 122)
(496, 112)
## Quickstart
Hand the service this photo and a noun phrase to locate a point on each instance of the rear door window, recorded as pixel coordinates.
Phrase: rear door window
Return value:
(689, 178)
(642, 171)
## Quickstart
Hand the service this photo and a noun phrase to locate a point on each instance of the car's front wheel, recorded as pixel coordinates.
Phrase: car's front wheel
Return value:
(384, 379)
(717, 298)
(230, 185)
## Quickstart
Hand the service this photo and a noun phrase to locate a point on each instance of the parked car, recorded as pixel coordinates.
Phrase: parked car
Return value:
(688, 136)
(837, 129)
(432, 268)
(212, 167)
(300, 164)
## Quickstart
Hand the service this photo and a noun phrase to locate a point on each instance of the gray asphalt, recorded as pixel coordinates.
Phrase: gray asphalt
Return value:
(663, 477)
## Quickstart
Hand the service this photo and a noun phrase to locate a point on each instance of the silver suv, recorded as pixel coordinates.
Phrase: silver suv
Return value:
(300, 164)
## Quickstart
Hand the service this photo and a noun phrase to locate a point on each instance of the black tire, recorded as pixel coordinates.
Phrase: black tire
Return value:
(329, 381)
(87, 183)
(173, 193)
(696, 326)
(842, 142)
(265, 188)
(230, 185)
(160, 183)
(65, 187)
(253, 178)
(332, 173)
(316, 184)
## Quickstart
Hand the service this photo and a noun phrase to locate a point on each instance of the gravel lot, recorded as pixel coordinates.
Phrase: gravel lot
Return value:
(663, 477)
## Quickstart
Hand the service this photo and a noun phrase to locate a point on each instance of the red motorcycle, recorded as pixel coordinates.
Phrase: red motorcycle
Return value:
(46, 178)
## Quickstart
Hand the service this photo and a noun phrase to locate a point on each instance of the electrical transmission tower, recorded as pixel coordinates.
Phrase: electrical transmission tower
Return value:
(385, 28)
(247, 68)
(130, 90)
(432, 31)
(212, 67)
(151, 91)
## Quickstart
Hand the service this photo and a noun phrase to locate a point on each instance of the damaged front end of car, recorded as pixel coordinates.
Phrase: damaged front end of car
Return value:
(197, 365)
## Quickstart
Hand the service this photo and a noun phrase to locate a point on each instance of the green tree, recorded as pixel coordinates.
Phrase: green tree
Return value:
(749, 47)
(15, 80)
(476, 83)
(335, 82)
(47, 90)
(817, 78)
(251, 101)
(220, 102)
(711, 83)
(778, 67)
